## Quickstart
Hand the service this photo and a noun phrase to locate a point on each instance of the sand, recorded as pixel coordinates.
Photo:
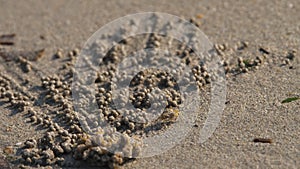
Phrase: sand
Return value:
(254, 106)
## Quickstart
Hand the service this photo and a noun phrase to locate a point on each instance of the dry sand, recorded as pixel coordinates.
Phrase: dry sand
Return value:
(254, 106)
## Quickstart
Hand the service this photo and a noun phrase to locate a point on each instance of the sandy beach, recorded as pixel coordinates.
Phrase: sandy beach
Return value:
(260, 40)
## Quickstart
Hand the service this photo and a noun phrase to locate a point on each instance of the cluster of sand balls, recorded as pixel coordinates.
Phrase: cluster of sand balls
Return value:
(238, 60)
(133, 122)
(240, 64)
(64, 139)
(16, 99)
(141, 88)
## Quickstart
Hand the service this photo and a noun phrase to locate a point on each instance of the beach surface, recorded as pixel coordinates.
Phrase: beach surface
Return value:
(254, 102)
